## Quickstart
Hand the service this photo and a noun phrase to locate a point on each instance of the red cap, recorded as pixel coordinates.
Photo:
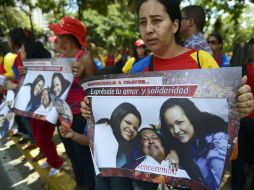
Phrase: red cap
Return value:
(139, 42)
(69, 25)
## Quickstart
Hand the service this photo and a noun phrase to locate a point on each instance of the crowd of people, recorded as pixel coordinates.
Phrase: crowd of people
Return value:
(171, 39)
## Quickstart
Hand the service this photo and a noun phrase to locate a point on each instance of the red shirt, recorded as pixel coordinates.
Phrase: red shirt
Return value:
(76, 93)
(250, 75)
(180, 62)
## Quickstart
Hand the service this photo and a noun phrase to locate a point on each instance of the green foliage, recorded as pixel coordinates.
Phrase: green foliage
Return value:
(116, 30)
(10, 17)
(113, 24)
(227, 18)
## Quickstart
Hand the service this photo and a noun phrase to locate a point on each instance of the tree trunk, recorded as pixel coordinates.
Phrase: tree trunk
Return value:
(6, 16)
(31, 22)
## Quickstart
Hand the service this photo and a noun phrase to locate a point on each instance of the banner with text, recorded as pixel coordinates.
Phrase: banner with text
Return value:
(46, 81)
(172, 127)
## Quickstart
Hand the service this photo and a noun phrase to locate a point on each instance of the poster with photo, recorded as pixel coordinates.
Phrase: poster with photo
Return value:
(6, 114)
(174, 128)
(44, 79)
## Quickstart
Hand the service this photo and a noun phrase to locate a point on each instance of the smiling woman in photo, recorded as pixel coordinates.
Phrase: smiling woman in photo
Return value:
(121, 129)
(200, 137)
(59, 84)
(114, 140)
(35, 93)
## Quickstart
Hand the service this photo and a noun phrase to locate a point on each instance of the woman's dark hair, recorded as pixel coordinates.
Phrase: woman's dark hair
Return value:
(197, 13)
(217, 36)
(172, 7)
(35, 50)
(117, 116)
(4, 49)
(203, 123)
(18, 36)
(64, 83)
(36, 80)
(242, 55)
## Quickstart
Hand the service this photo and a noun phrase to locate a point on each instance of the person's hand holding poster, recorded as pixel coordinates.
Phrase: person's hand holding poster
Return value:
(43, 78)
(174, 127)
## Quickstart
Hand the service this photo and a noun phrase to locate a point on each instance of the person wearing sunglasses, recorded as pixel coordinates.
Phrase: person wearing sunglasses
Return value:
(216, 43)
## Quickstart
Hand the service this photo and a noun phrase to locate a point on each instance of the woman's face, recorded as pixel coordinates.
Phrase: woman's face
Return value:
(129, 127)
(45, 98)
(140, 51)
(61, 41)
(151, 144)
(178, 124)
(57, 86)
(156, 28)
(214, 44)
(38, 87)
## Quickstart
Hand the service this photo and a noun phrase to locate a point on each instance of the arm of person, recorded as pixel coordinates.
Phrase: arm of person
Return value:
(85, 67)
(77, 137)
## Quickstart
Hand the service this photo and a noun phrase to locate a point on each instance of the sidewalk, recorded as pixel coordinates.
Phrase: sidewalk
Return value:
(64, 180)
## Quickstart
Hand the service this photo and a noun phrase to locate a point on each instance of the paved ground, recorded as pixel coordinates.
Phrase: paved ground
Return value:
(15, 172)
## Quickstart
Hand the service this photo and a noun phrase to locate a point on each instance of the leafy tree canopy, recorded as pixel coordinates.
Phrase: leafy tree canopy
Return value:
(112, 23)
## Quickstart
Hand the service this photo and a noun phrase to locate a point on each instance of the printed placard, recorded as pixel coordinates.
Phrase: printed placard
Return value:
(44, 78)
(174, 128)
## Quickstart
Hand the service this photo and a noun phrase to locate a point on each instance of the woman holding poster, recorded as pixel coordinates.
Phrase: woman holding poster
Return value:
(43, 131)
(200, 137)
(71, 37)
(159, 24)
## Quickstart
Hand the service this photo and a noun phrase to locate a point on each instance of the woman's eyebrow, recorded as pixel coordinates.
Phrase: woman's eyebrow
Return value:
(151, 16)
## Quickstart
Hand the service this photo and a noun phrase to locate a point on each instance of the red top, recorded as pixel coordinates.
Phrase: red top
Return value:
(250, 75)
(76, 93)
(183, 61)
